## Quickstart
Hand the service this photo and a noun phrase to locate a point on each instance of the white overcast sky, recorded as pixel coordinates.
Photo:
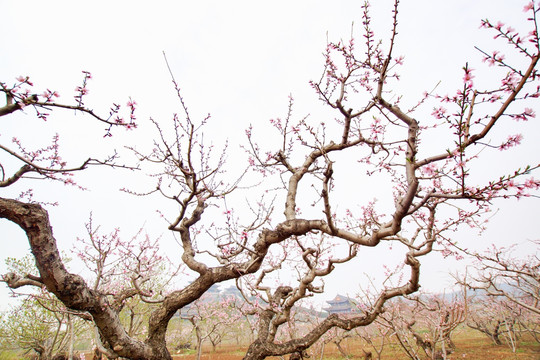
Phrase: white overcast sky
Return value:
(239, 61)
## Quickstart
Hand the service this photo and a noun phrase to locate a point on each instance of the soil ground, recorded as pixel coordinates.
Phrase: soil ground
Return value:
(470, 345)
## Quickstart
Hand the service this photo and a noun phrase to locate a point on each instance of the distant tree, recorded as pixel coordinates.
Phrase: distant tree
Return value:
(212, 320)
(444, 316)
(499, 319)
(425, 324)
(377, 336)
(399, 318)
(337, 336)
(498, 273)
(427, 162)
(41, 326)
(508, 288)
(39, 322)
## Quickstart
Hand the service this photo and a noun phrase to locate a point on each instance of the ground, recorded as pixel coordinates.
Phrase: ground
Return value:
(471, 345)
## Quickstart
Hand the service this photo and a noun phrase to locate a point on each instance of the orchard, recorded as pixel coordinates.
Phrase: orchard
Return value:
(277, 211)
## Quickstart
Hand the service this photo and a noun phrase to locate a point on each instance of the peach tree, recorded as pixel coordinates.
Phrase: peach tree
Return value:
(431, 154)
